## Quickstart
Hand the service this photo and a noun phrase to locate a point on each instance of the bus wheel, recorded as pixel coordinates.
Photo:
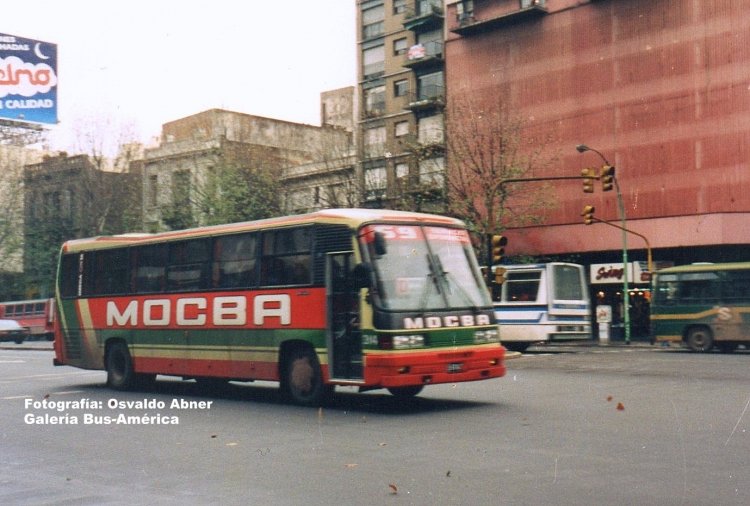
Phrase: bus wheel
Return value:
(699, 339)
(405, 392)
(516, 346)
(120, 375)
(302, 380)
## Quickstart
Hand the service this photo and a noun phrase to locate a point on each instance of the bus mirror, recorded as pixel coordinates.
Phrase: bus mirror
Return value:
(361, 275)
(379, 243)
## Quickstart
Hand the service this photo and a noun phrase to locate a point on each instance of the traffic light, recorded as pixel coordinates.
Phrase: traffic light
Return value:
(588, 215)
(607, 177)
(588, 176)
(500, 275)
(497, 248)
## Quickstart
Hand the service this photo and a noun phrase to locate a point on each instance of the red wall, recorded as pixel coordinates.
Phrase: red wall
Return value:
(661, 88)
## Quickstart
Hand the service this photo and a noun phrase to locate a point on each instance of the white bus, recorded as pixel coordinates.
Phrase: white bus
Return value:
(542, 303)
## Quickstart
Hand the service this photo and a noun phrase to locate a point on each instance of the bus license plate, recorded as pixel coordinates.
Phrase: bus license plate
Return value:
(455, 367)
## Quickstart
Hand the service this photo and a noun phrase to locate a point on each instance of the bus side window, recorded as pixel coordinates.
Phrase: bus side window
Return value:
(287, 257)
(70, 275)
(150, 268)
(235, 261)
(188, 265)
(522, 286)
(106, 272)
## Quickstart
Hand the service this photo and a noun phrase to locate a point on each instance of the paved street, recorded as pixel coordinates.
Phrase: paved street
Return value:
(567, 425)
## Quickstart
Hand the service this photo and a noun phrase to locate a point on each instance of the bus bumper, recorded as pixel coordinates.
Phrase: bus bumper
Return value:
(397, 369)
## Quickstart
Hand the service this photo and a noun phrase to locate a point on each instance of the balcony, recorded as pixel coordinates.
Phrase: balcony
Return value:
(471, 25)
(428, 97)
(424, 55)
(424, 17)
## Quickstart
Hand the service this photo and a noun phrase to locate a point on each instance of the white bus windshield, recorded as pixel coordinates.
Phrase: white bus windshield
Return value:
(422, 268)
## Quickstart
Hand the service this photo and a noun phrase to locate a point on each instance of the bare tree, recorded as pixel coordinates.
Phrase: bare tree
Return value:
(329, 179)
(486, 147)
(113, 187)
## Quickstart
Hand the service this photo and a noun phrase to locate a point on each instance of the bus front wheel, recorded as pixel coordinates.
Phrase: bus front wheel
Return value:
(302, 380)
(699, 339)
(406, 392)
(120, 374)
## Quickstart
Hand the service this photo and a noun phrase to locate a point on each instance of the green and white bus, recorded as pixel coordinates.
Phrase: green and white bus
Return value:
(702, 305)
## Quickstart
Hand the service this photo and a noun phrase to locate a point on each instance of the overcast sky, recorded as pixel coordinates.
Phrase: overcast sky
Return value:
(144, 63)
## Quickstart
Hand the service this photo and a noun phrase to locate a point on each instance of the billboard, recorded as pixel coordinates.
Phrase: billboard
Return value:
(28, 80)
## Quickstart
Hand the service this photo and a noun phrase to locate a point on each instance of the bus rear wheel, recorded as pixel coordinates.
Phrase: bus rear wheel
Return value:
(302, 380)
(120, 374)
(699, 339)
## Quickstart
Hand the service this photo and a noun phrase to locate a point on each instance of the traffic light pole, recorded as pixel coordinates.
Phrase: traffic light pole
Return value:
(649, 255)
(625, 266)
(608, 171)
(621, 207)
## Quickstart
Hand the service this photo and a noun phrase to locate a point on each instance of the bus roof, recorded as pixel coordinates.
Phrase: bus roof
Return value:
(513, 267)
(706, 267)
(351, 217)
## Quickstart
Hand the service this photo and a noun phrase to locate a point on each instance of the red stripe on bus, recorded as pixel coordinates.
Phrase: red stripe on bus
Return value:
(299, 308)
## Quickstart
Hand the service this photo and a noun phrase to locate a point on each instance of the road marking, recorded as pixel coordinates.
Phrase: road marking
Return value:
(12, 361)
(15, 397)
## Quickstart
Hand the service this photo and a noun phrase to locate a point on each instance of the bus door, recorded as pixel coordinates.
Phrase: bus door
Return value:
(344, 337)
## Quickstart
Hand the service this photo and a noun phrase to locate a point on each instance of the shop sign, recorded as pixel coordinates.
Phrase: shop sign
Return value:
(610, 273)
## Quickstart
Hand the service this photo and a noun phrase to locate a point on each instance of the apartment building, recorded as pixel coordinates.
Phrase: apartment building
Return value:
(401, 88)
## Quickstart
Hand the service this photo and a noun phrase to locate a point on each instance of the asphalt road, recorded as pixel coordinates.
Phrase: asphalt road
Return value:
(567, 425)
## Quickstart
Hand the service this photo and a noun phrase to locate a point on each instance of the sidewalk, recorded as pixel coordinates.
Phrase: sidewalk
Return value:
(595, 343)
(28, 345)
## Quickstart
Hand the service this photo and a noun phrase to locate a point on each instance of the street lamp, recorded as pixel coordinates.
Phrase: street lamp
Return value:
(582, 148)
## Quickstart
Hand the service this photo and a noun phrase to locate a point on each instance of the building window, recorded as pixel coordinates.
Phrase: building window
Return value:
(432, 172)
(465, 10)
(525, 4)
(401, 128)
(376, 183)
(401, 88)
(428, 6)
(373, 61)
(152, 191)
(374, 142)
(400, 46)
(67, 204)
(430, 130)
(399, 6)
(430, 86)
(375, 101)
(181, 188)
(372, 22)
(402, 170)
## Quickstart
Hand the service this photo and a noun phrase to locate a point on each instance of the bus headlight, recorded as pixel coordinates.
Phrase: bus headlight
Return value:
(402, 342)
(486, 336)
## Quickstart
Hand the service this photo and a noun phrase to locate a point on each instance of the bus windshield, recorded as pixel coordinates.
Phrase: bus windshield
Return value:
(567, 283)
(421, 268)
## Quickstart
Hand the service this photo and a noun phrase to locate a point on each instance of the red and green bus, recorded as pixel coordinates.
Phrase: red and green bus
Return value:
(368, 298)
